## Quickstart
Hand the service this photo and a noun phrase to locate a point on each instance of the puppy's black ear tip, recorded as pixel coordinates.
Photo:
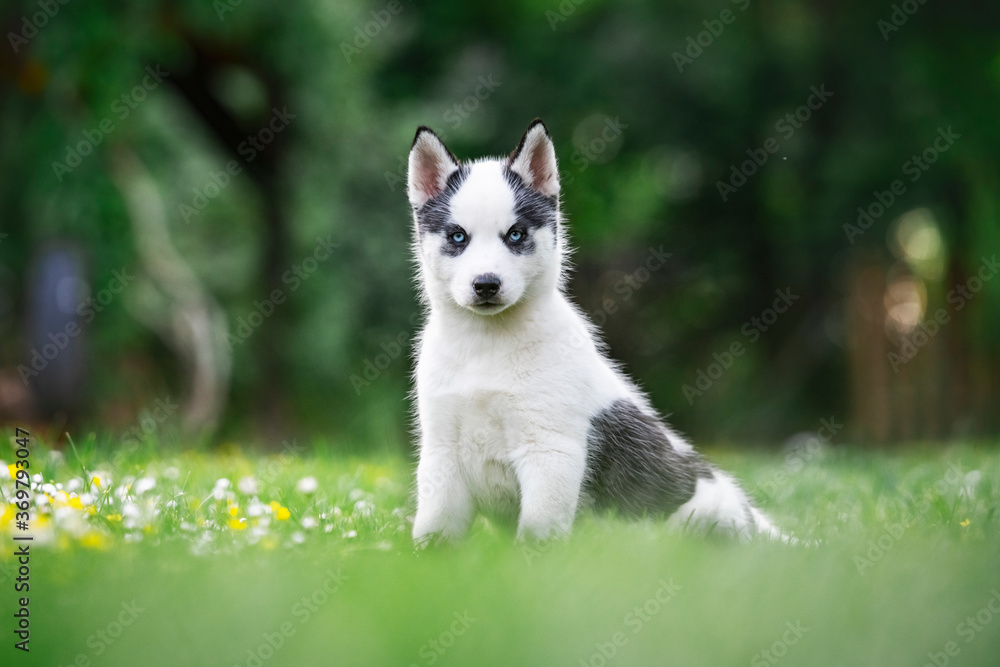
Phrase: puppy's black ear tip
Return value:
(537, 122)
(420, 130)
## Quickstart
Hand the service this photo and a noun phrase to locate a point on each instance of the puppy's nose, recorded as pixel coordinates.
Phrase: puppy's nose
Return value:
(486, 285)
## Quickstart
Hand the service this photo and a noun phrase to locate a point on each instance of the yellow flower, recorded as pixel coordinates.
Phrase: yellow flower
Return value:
(237, 524)
(75, 503)
(94, 540)
(96, 481)
(965, 523)
(12, 469)
(8, 514)
(234, 510)
(280, 512)
(283, 514)
(114, 517)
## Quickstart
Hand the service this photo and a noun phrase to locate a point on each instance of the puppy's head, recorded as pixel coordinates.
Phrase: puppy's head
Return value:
(487, 232)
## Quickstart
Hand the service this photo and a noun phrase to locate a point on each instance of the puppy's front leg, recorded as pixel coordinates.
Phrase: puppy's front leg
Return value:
(444, 504)
(550, 475)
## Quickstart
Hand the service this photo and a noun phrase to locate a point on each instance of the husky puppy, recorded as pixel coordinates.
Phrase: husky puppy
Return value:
(519, 409)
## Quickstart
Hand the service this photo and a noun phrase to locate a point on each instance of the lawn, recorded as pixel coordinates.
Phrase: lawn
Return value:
(300, 558)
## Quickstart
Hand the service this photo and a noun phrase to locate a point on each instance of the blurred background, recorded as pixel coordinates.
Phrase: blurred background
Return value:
(786, 214)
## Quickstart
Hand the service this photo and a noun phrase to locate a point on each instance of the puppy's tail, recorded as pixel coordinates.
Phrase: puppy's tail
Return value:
(762, 525)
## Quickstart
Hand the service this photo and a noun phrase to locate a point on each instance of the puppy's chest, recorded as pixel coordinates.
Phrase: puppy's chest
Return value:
(483, 432)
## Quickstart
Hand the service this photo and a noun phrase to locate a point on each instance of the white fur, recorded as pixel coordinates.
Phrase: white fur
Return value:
(505, 398)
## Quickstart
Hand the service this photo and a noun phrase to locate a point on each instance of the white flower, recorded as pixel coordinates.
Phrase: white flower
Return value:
(49, 488)
(219, 491)
(307, 485)
(256, 508)
(298, 538)
(74, 484)
(363, 508)
(351, 533)
(247, 485)
(171, 473)
(144, 484)
(308, 522)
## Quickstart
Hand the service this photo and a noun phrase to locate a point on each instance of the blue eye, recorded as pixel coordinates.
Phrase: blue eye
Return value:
(515, 236)
(457, 237)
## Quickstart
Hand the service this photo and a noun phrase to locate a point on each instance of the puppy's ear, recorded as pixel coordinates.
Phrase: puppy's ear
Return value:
(534, 160)
(430, 166)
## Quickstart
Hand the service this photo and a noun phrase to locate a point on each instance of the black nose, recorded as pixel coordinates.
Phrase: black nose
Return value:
(486, 285)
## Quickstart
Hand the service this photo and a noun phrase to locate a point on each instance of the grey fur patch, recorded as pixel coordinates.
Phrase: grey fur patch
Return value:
(434, 217)
(631, 465)
(531, 208)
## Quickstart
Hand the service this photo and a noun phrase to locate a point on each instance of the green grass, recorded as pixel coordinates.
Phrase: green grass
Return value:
(909, 548)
